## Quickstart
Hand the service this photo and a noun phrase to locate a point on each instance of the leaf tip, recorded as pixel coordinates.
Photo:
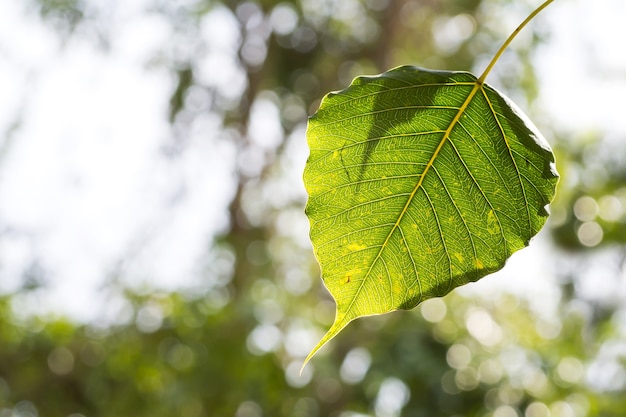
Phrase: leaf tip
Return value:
(338, 325)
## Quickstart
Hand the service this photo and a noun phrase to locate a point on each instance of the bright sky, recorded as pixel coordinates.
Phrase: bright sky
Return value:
(84, 180)
(583, 67)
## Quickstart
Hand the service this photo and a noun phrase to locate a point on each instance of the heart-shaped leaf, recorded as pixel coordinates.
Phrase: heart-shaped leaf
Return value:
(419, 181)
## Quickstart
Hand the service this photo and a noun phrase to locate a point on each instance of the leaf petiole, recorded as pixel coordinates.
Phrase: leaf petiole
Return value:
(508, 41)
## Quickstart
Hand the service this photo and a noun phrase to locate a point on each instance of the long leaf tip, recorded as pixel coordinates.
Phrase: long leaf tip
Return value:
(338, 325)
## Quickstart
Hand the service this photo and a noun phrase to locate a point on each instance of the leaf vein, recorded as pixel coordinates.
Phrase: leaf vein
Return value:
(513, 161)
(395, 89)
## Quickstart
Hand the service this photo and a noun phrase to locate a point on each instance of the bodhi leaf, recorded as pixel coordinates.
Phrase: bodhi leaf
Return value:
(419, 181)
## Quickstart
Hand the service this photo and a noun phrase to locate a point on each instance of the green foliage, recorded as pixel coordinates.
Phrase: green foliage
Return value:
(453, 356)
(420, 181)
(233, 345)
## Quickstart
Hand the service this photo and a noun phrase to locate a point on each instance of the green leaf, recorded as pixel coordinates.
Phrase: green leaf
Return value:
(419, 181)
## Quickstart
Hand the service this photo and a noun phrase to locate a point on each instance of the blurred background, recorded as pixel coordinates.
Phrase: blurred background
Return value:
(154, 253)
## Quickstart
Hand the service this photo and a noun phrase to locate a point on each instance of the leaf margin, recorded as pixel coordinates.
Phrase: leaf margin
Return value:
(478, 86)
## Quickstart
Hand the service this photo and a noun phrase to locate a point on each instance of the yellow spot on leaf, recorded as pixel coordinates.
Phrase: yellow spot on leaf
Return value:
(398, 289)
(493, 226)
(355, 247)
(479, 264)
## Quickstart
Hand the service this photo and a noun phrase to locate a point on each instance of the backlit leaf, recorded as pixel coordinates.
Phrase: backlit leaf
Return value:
(419, 181)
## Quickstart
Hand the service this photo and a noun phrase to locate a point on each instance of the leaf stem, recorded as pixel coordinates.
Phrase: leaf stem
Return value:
(506, 43)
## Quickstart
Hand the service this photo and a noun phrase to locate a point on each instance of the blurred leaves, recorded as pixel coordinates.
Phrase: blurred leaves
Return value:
(232, 343)
(592, 211)
(452, 356)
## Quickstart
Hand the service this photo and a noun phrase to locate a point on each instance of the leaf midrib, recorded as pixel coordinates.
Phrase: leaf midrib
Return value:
(477, 85)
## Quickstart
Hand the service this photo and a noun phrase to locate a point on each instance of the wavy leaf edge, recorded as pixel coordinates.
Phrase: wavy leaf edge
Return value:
(478, 89)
